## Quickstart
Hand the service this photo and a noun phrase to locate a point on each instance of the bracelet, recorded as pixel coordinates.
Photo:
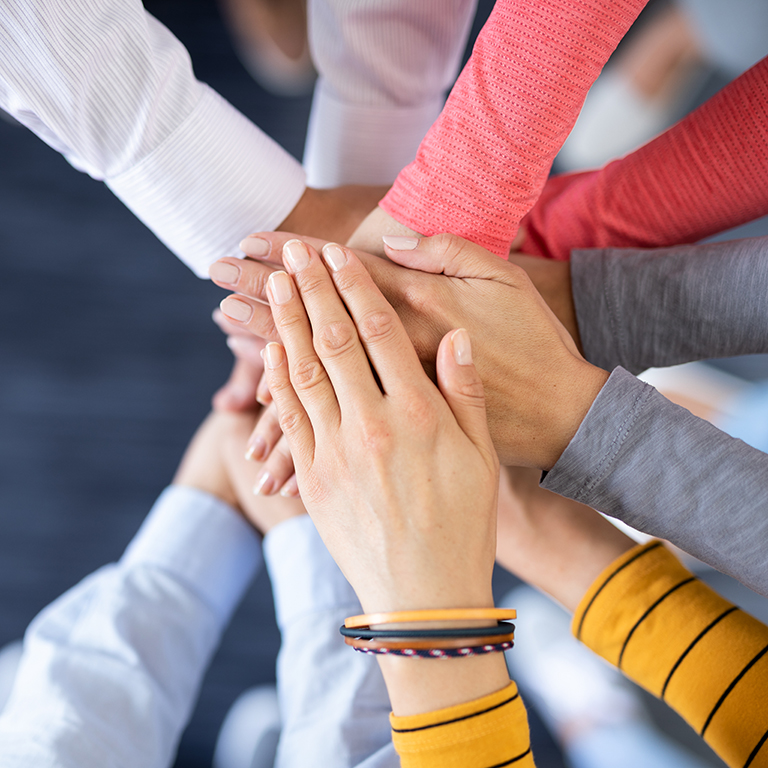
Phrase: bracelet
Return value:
(449, 614)
(365, 633)
(438, 653)
(444, 644)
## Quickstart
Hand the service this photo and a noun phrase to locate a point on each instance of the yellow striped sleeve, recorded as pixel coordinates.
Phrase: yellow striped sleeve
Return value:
(490, 732)
(684, 643)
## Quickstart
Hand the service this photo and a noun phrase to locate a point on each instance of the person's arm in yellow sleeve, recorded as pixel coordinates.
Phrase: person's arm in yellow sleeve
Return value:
(641, 610)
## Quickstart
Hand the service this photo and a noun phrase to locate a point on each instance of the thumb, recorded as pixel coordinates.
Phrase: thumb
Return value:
(462, 388)
(444, 254)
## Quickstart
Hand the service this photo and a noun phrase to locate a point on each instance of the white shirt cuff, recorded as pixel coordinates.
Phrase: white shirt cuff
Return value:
(354, 144)
(305, 578)
(214, 181)
(203, 542)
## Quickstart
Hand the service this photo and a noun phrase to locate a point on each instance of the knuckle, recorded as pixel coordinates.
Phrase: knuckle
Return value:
(311, 284)
(291, 421)
(307, 374)
(471, 391)
(377, 327)
(335, 339)
(417, 297)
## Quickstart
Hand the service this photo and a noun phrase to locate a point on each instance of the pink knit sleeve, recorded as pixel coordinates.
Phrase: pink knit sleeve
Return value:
(707, 173)
(484, 162)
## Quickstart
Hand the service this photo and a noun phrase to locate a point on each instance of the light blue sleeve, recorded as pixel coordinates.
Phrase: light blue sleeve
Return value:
(110, 671)
(333, 702)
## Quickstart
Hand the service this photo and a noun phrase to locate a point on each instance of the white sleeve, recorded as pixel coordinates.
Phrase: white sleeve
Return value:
(384, 68)
(107, 85)
(333, 702)
(110, 671)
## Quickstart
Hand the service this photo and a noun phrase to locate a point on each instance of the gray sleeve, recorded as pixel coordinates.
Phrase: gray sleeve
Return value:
(653, 308)
(642, 459)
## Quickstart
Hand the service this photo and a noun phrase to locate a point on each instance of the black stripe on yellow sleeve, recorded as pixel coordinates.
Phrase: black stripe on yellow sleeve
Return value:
(459, 719)
(513, 760)
(753, 754)
(640, 554)
(698, 637)
(648, 612)
(728, 690)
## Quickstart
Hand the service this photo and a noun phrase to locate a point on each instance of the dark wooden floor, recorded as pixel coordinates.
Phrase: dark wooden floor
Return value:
(108, 359)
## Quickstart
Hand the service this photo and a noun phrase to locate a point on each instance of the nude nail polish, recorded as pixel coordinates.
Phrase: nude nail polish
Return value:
(462, 348)
(400, 243)
(237, 310)
(296, 255)
(334, 256)
(280, 287)
(257, 247)
(257, 448)
(222, 272)
(263, 484)
(273, 356)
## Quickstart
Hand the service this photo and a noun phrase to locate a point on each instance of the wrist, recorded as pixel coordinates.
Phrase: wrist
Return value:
(579, 390)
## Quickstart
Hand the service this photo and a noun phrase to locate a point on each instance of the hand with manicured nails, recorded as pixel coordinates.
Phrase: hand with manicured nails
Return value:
(398, 474)
(538, 387)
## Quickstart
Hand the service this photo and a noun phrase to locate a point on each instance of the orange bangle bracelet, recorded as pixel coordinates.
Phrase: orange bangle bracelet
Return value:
(437, 644)
(450, 614)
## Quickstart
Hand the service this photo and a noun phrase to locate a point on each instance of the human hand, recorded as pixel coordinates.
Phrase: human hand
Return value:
(368, 235)
(214, 463)
(328, 213)
(551, 542)
(385, 474)
(400, 478)
(538, 387)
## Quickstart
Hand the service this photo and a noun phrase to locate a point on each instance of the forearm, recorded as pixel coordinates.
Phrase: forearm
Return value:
(704, 175)
(111, 670)
(484, 162)
(384, 67)
(652, 464)
(643, 309)
(674, 636)
(113, 90)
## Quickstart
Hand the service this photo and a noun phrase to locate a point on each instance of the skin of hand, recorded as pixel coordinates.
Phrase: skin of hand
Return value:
(332, 214)
(553, 543)
(538, 387)
(399, 475)
(214, 463)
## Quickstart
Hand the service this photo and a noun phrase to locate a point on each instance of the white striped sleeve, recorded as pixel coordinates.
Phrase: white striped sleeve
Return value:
(107, 85)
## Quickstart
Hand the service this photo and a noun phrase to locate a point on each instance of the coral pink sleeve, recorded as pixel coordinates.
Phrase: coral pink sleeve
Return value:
(484, 162)
(707, 173)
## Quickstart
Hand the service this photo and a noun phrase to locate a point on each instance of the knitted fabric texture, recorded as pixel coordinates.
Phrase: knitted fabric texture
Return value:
(484, 162)
(707, 173)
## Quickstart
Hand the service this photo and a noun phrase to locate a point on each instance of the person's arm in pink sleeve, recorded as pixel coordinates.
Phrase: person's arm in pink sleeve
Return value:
(707, 173)
(484, 162)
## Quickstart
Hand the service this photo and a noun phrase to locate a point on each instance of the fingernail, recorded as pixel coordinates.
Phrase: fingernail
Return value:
(273, 356)
(296, 255)
(400, 243)
(462, 349)
(254, 246)
(334, 256)
(237, 310)
(280, 287)
(263, 484)
(222, 272)
(289, 491)
(257, 447)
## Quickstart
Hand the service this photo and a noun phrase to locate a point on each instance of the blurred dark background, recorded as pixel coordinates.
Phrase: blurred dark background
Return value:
(108, 360)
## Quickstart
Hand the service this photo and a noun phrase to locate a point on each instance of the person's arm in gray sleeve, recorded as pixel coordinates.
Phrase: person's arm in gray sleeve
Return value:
(654, 308)
(651, 463)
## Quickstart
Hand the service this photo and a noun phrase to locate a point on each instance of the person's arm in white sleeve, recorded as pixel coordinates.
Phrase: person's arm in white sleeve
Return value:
(384, 68)
(110, 671)
(107, 85)
(333, 702)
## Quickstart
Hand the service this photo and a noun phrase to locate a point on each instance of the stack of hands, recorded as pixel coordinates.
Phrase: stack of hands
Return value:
(393, 418)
